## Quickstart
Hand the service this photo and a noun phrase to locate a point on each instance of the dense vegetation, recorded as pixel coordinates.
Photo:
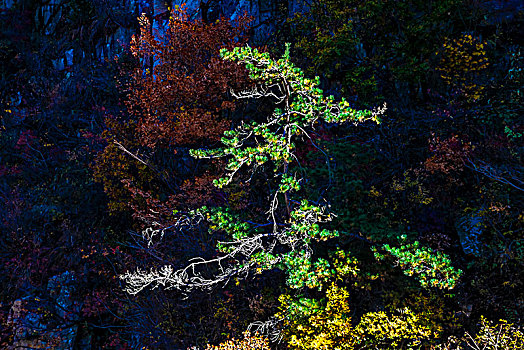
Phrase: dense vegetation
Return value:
(351, 180)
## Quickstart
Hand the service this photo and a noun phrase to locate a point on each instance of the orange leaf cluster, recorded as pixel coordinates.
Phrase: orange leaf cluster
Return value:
(177, 98)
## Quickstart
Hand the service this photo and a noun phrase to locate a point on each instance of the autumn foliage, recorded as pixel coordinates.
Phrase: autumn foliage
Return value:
(174, 188)
(177, 97)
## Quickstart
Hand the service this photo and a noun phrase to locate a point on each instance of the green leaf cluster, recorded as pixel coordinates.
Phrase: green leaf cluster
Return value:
(431, 268)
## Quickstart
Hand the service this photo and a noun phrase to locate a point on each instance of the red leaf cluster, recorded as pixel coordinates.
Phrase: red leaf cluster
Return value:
(177, 98)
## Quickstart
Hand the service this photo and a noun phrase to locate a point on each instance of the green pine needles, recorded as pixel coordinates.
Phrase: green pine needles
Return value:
(431, 268)
(296, 222)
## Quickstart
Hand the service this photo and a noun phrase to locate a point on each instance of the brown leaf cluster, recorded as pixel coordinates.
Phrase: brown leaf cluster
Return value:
(179, 98)
(449, 155)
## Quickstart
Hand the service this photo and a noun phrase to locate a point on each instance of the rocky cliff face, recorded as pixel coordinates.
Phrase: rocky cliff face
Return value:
(48, 324)
(113, 22)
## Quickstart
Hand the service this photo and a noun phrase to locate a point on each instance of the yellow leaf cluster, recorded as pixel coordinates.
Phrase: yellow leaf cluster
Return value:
(327, 328)
(330, 327)
(461, 61)
(249, 342)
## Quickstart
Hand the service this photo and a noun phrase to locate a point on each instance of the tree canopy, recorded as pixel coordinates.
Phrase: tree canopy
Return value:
(335, 174)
